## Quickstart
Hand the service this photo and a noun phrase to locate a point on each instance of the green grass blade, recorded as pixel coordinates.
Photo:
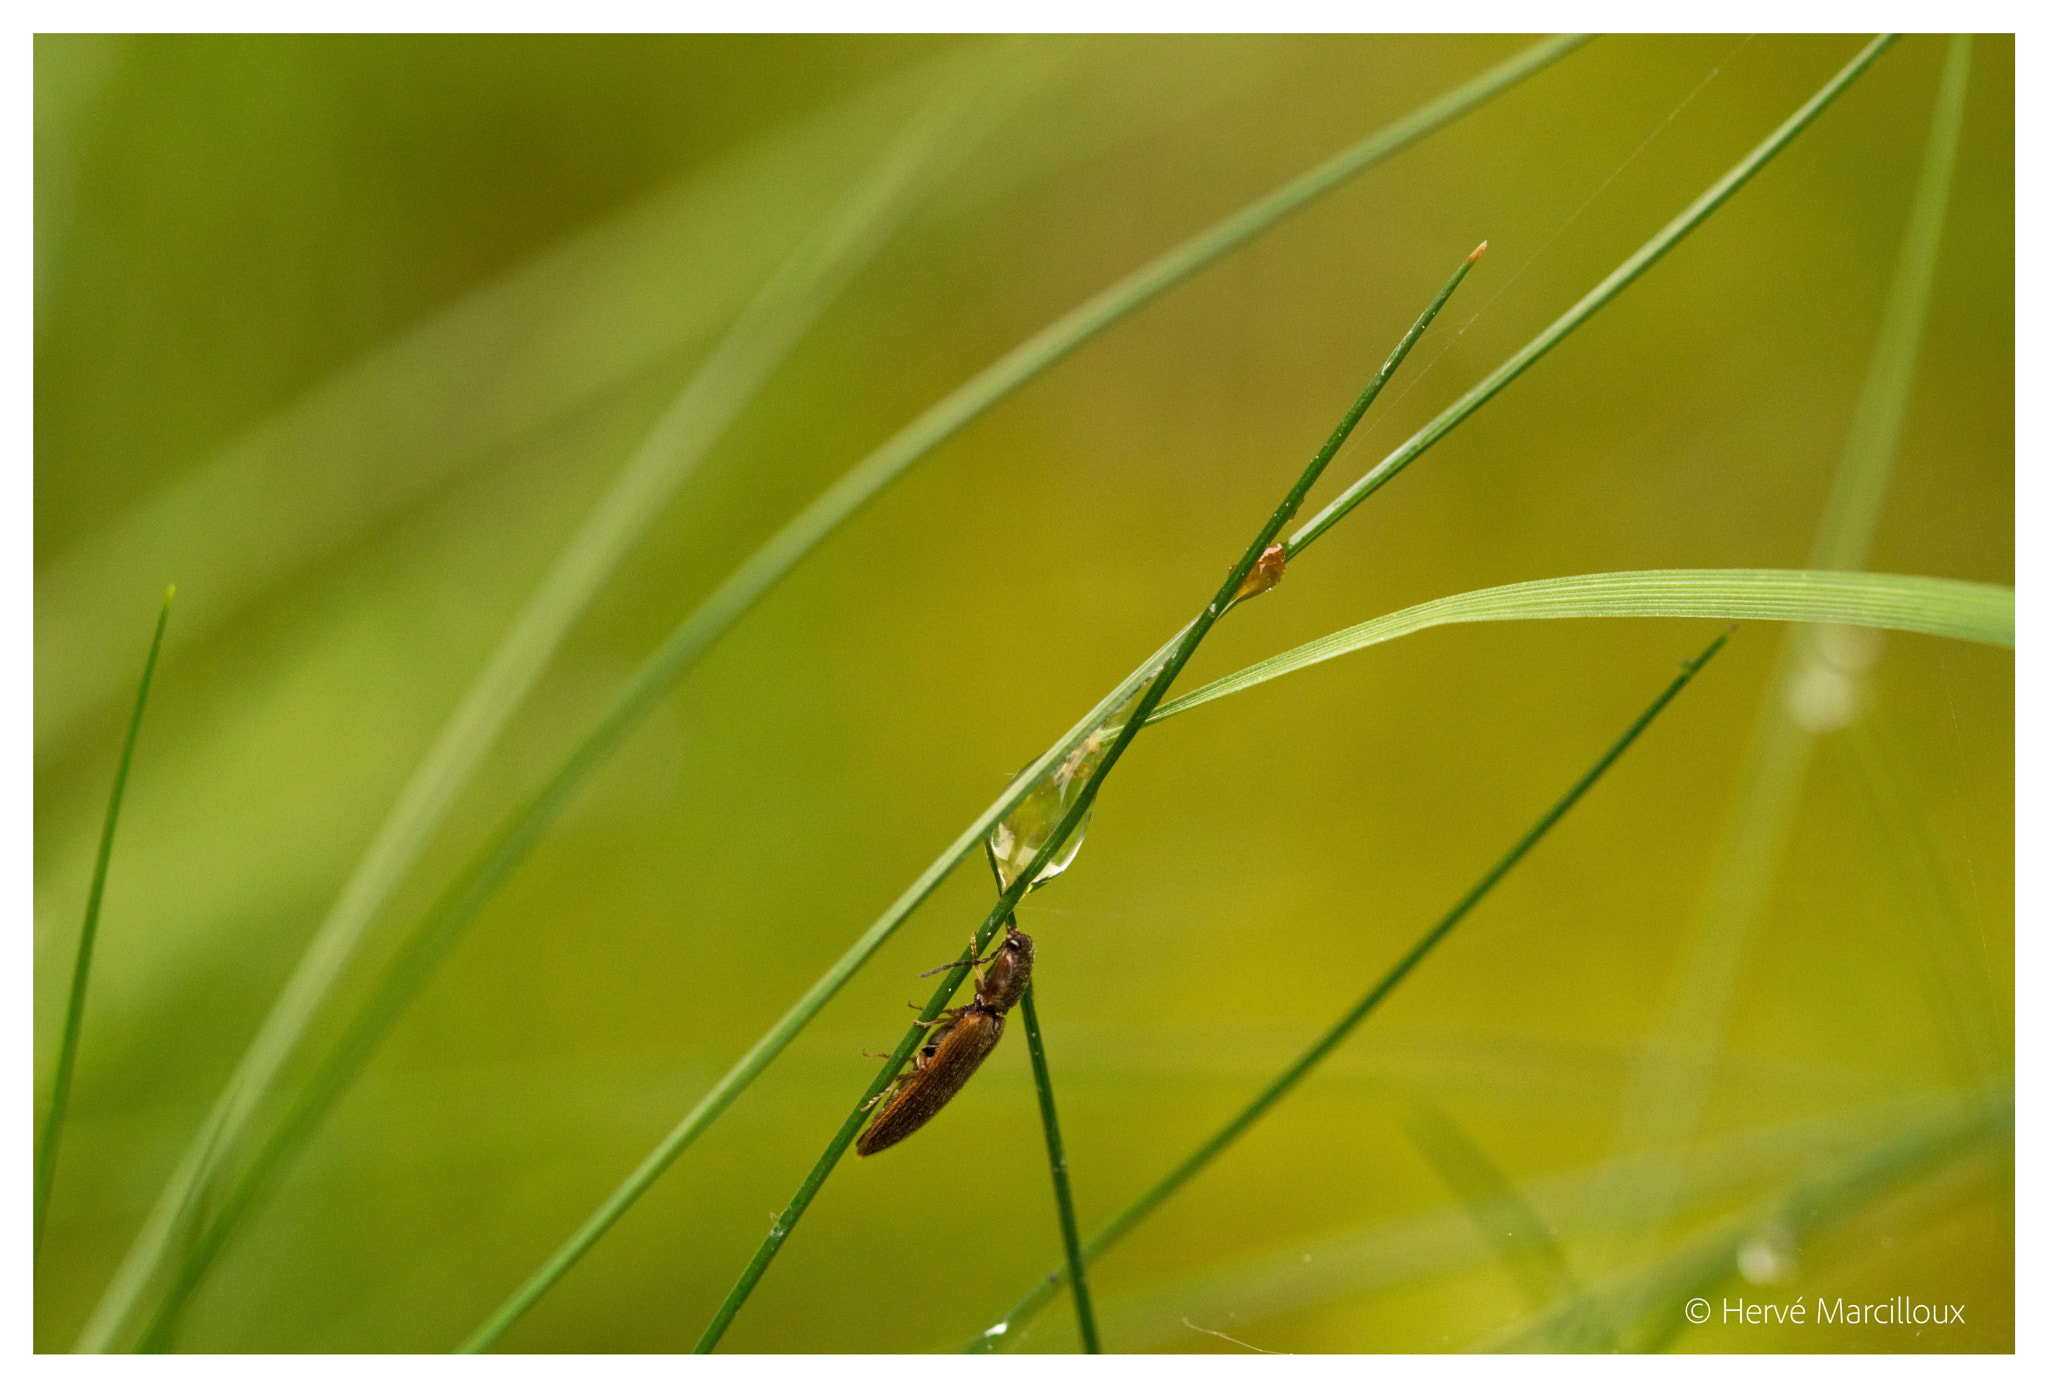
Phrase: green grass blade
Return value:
(1141, 1208)
(81, 971)
(1667, 1093)
(1063, 1195)
(1932, 606)
(931, 142)
(1625, 274)
(1517, 1236)
(1646, 1300)
(1960, 994)
(614, 301)
(1388, 1255)
(1181, 651)
(1158, 671)
(1850, 521)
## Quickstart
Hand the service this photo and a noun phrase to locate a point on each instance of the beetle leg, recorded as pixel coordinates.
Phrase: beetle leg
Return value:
(949, 1014)
(972, 962)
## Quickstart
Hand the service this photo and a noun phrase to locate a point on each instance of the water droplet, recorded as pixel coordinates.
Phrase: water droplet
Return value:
(1014, 841)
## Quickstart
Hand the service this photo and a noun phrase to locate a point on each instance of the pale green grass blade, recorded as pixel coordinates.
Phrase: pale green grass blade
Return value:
(541, 343)
(1598, 298)
(1974, 1039)
(967, 102)
(1663, 1104)
(1933, 606)
(1648, 1300)
(1141, 1208)
(1749, 1167)
(81, 972)
(1516, 1233)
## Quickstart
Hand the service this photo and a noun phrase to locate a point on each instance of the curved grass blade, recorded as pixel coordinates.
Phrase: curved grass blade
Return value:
(1932, 606)
(1668, 1091)
(992, 1338)
(1182, 650)
(1063, 1195)
(1141, 1207)
(931, 142)
(1624, 275)
(81, 971)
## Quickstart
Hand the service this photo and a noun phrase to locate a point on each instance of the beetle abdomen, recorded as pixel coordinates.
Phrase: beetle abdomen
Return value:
(926, 1090)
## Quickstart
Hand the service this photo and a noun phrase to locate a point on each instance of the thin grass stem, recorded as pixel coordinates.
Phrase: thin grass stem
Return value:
(1062, 1193)
(1598, 298)
(81, 971)
(1182, 651)
(1142, 1207)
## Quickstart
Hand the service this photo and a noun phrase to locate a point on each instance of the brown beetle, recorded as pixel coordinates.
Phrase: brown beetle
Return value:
(956, 1043)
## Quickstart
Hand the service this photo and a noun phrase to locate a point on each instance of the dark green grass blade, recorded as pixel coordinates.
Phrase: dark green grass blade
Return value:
(1183, 650)
(1063, 1195)
(1141, 1208)
(81, 971)
(1600, 296)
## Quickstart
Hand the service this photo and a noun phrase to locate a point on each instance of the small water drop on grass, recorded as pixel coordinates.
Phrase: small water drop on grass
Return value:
(1015, 841)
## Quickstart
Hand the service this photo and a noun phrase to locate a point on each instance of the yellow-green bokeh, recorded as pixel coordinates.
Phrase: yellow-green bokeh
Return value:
(247, 240)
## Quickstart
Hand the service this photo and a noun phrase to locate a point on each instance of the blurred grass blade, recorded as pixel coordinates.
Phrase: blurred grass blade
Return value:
(959, 112)
(555, 336)
(74, 1009)
(1625, 274)
(1646, 1300)
(1497, 1209)
(1975, 1038)
(1141, 1208)
(1665, 1096)
(1933, 606)
(1385, 1256)
(1076, 812)
(1062, 1191)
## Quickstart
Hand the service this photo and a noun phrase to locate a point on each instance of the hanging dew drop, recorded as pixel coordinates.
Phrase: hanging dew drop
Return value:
(1015, 841)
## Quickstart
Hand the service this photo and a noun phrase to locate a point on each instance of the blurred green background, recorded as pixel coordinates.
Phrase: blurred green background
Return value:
(344, 336)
